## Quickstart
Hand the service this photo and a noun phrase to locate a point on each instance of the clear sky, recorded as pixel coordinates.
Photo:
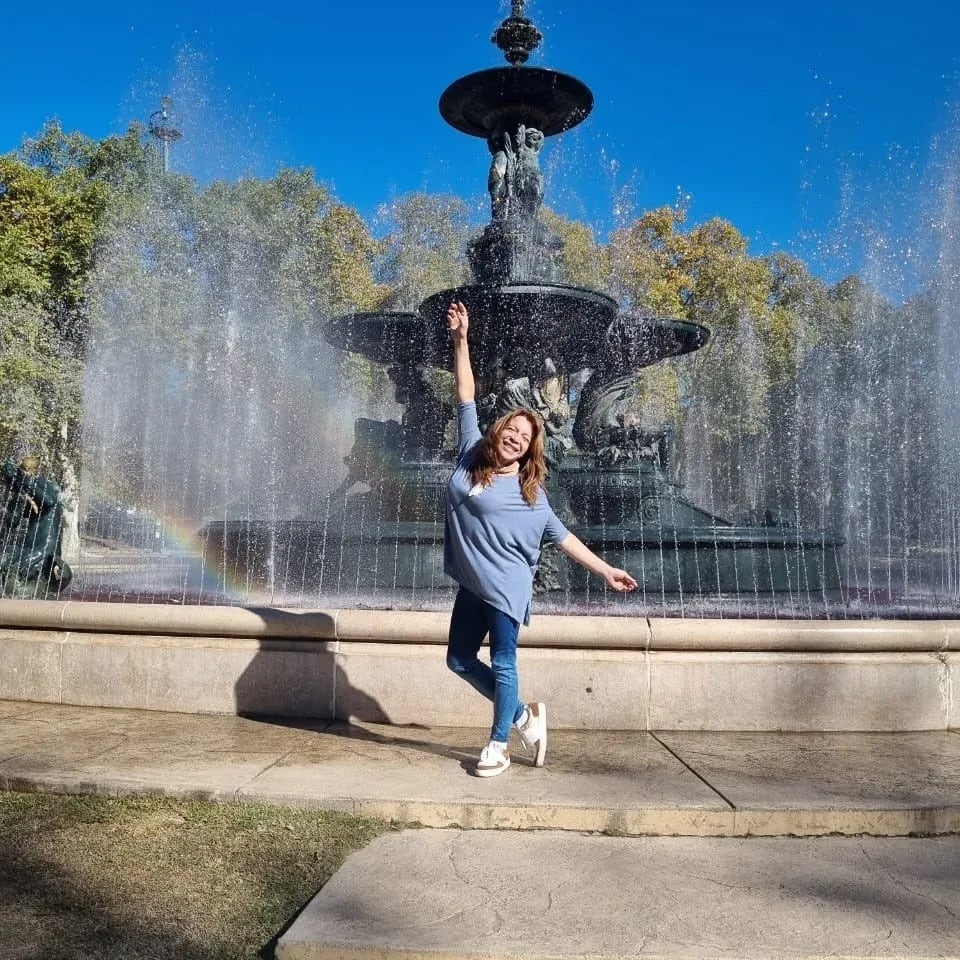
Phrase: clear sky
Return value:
(810, 126)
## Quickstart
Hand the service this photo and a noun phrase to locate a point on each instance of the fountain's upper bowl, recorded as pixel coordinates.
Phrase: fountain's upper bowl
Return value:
(492, 101)
(517, 325)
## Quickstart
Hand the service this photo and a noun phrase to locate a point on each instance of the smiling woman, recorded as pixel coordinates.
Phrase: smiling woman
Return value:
(497, 516)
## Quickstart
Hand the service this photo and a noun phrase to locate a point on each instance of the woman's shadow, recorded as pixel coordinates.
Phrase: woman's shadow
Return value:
(315, 694)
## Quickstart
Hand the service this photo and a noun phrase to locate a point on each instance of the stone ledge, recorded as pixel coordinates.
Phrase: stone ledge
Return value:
(421, 627)
(156, 619)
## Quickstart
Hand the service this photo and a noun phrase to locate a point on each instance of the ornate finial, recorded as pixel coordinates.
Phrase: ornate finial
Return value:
(517, 37)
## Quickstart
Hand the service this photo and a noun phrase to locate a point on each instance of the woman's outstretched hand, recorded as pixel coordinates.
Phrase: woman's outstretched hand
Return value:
(458, 320)
(458, 323)
(577, 550)
(619, 579)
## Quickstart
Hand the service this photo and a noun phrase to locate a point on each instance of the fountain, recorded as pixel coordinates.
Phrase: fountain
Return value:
(246, 421)
(565, 351)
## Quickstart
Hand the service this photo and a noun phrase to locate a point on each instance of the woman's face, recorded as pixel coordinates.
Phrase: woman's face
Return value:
(515, 440)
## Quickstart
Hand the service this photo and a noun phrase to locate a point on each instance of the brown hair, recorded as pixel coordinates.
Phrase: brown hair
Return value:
(533, 466)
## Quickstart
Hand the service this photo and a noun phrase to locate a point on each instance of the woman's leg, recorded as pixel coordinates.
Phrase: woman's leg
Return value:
(468, 627)
(507, 707)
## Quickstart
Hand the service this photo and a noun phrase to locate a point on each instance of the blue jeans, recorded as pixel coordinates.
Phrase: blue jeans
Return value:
(472, 620)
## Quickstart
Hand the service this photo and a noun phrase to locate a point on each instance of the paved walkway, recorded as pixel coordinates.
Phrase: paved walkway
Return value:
(564, 891)
(629, 783)
(466, 895)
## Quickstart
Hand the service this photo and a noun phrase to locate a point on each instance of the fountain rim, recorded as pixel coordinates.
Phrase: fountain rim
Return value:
(626, 630)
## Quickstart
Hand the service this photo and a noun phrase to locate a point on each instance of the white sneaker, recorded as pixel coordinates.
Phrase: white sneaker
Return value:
(533, 732)
(493, 760)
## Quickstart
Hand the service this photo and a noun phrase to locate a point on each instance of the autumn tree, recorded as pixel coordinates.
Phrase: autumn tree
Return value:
(423, 247)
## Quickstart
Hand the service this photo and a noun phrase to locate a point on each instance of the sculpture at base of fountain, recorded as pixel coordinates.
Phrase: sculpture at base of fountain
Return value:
(425, 413)
(604, 426)
(545, 394)
(31, 527)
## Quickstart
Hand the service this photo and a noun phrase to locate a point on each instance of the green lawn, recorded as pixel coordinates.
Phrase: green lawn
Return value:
(92, 878)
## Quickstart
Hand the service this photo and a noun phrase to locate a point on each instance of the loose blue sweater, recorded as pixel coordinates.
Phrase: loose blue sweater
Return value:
(491, 541)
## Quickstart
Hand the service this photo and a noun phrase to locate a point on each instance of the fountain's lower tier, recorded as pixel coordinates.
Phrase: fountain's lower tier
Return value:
(358, 554)
(391, 539)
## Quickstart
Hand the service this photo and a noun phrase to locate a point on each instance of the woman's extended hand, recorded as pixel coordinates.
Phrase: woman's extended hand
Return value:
(619, 579)
(458, 320)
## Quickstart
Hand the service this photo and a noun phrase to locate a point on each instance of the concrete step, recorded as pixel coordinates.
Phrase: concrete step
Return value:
(465, 894)
(620, 783)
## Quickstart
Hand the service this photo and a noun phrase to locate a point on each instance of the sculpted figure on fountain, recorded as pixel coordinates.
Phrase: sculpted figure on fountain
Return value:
(515, 182)
(425, 413)
(603, 424)
(545, 393)
(31, 524)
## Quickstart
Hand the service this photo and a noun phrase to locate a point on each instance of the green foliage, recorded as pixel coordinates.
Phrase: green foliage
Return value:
(126, 161)
(50, 219)
(706, 276)
(38, 382)
(315, 253)
(48, 228)
(585, 262)
(423, 251)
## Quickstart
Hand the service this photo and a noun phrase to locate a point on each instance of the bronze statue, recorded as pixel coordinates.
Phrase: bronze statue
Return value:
(603, 425)
(425, 413)
(31, 525)
(515, 181)
(500, 180)
(529, 178)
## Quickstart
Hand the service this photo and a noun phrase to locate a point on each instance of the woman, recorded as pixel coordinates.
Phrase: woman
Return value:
(497, 515)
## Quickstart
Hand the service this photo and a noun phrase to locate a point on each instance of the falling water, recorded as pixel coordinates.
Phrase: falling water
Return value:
(211, 398)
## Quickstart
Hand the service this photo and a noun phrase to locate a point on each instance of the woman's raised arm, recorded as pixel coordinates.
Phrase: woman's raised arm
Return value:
(459, 322)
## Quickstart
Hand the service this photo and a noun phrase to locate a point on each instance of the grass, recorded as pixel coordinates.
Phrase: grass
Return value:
(100, 878)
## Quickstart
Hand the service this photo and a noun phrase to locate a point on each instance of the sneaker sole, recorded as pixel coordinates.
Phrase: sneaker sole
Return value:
(492, 771)
(541, 754)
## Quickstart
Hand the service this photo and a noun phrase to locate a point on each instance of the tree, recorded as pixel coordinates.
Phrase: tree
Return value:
(423, 250)
(38, 381)
(49, 223)
(209, 312)
(586, 262)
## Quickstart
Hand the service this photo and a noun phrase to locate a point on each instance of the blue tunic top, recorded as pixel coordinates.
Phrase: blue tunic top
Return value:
(491, 541)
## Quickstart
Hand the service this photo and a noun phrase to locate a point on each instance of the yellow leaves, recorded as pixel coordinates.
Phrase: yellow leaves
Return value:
(655, 397)
(343, 251)
(585, 262)
(761, 311)
(423, 251)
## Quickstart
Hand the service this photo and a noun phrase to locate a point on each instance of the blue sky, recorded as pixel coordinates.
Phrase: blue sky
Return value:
(809, 126)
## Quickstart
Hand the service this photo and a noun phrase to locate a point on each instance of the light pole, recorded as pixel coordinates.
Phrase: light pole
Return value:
(162, 129)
